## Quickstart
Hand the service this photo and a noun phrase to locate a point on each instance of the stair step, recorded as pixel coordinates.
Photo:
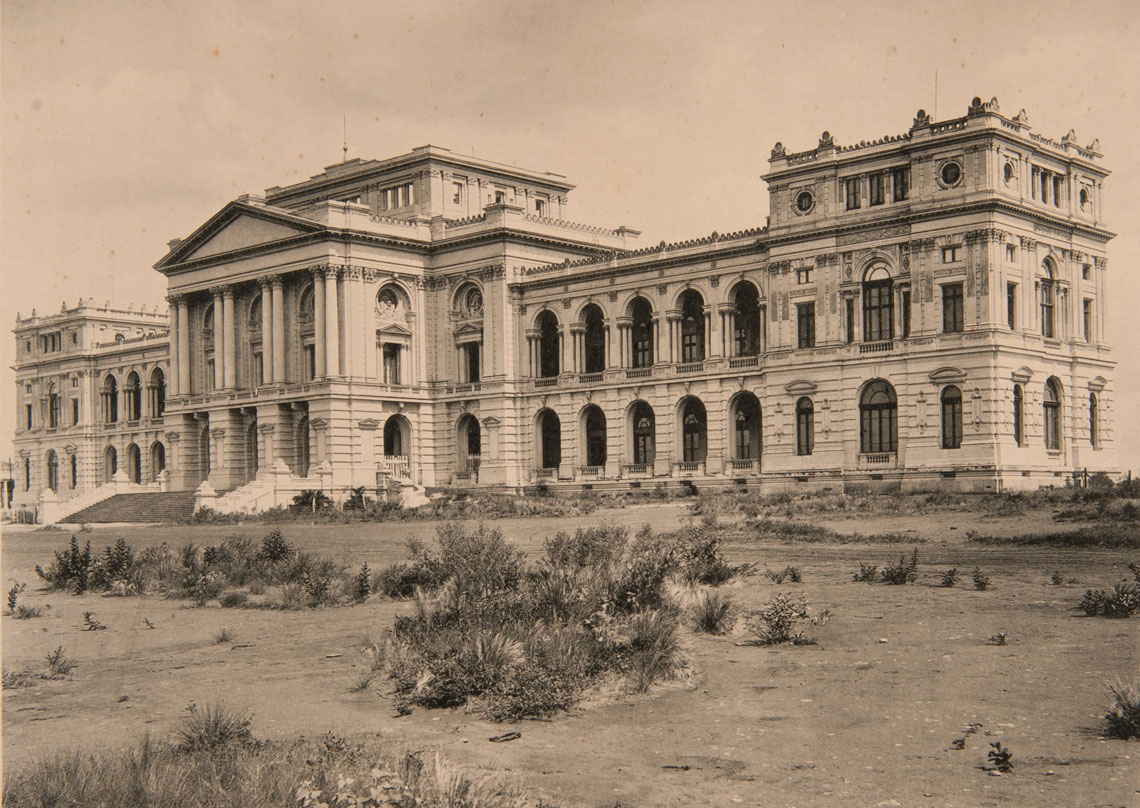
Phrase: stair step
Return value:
(150, 506)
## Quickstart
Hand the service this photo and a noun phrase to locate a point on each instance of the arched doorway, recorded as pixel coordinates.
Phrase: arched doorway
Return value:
(550, 439)
(134, 463)
(746, 428)
(595, 339)
(746, 319)
(694, 431)
(641, 333)
(547, 325)
(643, 431)
(132, 393)
(594, 423)
(110, 463)
(397, 437)
(301, 443)
(469, 444)
(252, 461)
(692, 326)
(157, 460)
(878, 419)
(52, 463)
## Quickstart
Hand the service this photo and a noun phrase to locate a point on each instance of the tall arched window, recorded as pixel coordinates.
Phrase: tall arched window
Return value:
(594, 421)
(746, 334)
(469, 444)
(550, 439)
(53, 408)
(878, 419)
(1018, 415)
(307, 317)
(254, 334)
(157, 460)
(110, 463)
(951, 418)
(548, 344)
(694, 429)
(74, 472)
(641, 333)
(878, 305)
(805, 426)
(643, 433)
(746, 427)
(208, 358)
(133, 396)
(595, 338)
(1052, 405)
(1094, 421)
(110, 398)
(692, 326)
(1046, 286)
(52, 470)
(156, 393)
(27, 474)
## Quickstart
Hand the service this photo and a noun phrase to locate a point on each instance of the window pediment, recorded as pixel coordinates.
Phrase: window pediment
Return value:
(1097, 384)
(800, 387)
(947, 374)
(1022, 375)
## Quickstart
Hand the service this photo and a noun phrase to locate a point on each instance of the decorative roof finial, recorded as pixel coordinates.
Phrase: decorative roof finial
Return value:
(778, 151)
(921, 119)
(826, 141)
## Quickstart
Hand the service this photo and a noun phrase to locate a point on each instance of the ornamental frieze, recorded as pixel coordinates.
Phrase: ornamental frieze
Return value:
(873, 235)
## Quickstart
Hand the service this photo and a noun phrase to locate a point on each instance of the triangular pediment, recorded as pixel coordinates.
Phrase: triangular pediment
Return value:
(468, 328)
(238, 226)
(394, 328)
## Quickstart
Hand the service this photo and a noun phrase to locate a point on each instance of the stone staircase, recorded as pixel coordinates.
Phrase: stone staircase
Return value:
(150, 506)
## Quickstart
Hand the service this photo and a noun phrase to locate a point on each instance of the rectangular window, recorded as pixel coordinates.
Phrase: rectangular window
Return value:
(950, 254)
(1086, 272)
(878, 311)
(74, 411)
(391, 363)
(471, 361)
(1087, 310)
(900, 178)
(906, 314)
(850, 320)
(805, 427)
(309, 360)
(805, 325)
(500, 197)
(1010, 252)
(399, 196)
(28, 411)
(457, 193)
(1011, 305)
(209, 375)
(852, 188)
(540, 207)
(803, 275)
(1033, 179)
(952, 308)
(257, 371)
(877, 190)
(1047, 309)
(1058, 191)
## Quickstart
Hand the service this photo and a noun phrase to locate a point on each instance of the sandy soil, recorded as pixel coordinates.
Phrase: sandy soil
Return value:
(864, 718)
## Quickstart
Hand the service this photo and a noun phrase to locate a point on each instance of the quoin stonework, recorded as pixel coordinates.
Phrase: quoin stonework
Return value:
(923, 311)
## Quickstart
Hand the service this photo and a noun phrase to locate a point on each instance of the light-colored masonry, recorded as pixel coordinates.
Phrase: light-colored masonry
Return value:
(923, 311)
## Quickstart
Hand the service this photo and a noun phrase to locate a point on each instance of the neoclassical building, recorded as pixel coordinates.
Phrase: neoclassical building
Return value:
(923, 311)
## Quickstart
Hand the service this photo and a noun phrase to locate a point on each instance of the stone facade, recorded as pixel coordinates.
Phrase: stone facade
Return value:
(923, 311)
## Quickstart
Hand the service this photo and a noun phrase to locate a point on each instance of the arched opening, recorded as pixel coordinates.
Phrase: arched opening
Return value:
(805, 426)
(594, 423)
(469, 333)
(132, 396)
(53, 407)
(252, 461)
(307, 320)
(134, 463)
(694, 431)
(110, 463)
(641, 333)
(208, 358)
(550, 439)
(1046, 293)
(52, 464)
(157, 460)
(397, 437)
(643, 432)
(746, 333)
(746, 432)
(204, 450)
(547, 344)
(156, 390)
(1052, 404)
(110, 399)
(595, 338)
(302, 445)
(1018, 415)
(951, 418)
(692, 326)
(878, 305)
(469, 442)
(878, 419)
(1094, 421)
(74, 472)
(254, 333)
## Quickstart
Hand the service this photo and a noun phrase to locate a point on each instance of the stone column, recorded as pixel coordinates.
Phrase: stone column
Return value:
(332, 323)
(319, 322)
(230, 370)
(707, 347)
(266, 332)
(276, 285)
(219, 339)
(183, 346)
(175, 326)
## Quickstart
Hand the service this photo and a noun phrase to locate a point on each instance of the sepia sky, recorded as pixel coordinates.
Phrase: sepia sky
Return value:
(126, 124)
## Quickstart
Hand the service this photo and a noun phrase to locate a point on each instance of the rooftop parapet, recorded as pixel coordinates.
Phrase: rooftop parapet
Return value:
(89, 308)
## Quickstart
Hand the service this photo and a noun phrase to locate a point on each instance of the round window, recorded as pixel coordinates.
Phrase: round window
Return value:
(804, 201)
(951, 173)
(1008, 173)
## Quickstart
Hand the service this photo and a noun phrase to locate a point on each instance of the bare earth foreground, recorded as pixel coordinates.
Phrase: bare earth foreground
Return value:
(864, 718)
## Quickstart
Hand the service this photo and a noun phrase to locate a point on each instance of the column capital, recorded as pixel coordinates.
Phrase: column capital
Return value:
(176, 300)
(219, 291)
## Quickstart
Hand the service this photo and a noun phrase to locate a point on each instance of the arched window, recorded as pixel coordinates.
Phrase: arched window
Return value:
(1046, 285)
(1018, 415)
(641, 333)
(746, 334)
(156, 393)
(303, 443)
(878, 419)
(208, 358)
(1052, 405)
(694, 427)
(110, 463)
(951, 418)
(307, 317)
(257, 376)
(548, 343)
(396, 432)
(110, 398)
(692, 326)
(252, 450)
(805, 426)
(52, 463)
(469, 333)
(74, 472)
(746, 427)
(595, 426)
(53, 408)
(134, 464)
(550, 437)
(133, 396)
(878, 305)
(595, 339)
(1094, 421)
(157, 460)
(643, 433)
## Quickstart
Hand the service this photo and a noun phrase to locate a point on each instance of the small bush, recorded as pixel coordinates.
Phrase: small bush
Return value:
(274, 548)
(92, 623)
(713, 614)
(310, 500)
(774, 623)
(1056, 578)
(531, 691)
(1000, 758)
(214, 728)
(27, 612)
(59, 664)
(14, 595)
(70, 570)
(903, 572)
(293, 596)
(224, 636)
(362, 584)
(234, 600)
(981, 580)
(950, 577)
(791, 573)
(866, 574)
(1123, 718)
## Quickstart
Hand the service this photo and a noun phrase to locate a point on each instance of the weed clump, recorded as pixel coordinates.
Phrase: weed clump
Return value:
(776, 621)
(949, 578)
(1123, 718)
(981, 580)
(713, 614)
(1122, 601)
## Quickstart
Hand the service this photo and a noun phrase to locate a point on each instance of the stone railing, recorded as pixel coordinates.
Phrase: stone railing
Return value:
(744, 362)
(885, 346)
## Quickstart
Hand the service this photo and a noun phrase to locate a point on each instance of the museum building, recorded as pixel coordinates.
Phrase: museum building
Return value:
(920, 312)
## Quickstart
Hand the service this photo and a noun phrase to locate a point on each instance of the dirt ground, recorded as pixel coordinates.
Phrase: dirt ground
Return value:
(864, 718)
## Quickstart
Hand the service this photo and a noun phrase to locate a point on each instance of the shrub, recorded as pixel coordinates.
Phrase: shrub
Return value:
(310, 500)
(1056, 578)
(950, 577)
(866, 573)
(791, 573)
(903, 572)
(70, 570)
(91, 623)
(713, 614)
(274, 548)
(597, 547)
(981, 580)
(27, 612)
(1001, 759)
(234, 600)
(1123, 718)
(531, 691)
(653, 646)
(59, 664)
(774, 622)
(293, 596)
(214, 728)
(223, 636)
(362, 584)
(14, 595)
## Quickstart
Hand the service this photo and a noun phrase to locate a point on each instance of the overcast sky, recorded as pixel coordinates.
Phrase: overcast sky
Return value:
(126, 124)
